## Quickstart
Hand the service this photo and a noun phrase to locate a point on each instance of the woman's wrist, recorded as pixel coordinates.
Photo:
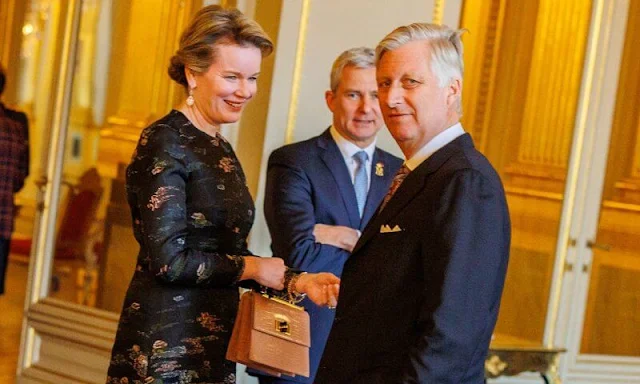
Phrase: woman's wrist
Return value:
(296, 287)
(250, 269)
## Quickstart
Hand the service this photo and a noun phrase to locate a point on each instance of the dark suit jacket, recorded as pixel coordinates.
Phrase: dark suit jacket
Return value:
(419, 305)
(309, 183)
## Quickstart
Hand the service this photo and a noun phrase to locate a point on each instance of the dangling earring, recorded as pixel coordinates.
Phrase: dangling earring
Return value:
(190, 99)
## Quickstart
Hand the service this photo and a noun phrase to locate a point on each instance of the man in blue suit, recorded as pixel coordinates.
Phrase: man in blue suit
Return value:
(420, 294)
(321, 192)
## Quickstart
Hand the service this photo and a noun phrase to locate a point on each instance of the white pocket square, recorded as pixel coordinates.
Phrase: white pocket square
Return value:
(385, 228)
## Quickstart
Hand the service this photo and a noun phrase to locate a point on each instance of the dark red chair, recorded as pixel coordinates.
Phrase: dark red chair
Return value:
(78, 216)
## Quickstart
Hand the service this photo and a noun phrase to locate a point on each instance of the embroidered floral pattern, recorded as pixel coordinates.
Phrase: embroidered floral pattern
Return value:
(226, 164)
(144, 137)
(159, 166)
(160, 197)
(199, 220)
(209, 322)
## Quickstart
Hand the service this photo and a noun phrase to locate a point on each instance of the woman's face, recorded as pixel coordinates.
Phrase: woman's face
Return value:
(221, 92)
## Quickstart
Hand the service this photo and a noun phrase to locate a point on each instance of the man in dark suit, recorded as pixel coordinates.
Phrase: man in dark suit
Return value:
(421, 291)
(14, 168)
(321, 192)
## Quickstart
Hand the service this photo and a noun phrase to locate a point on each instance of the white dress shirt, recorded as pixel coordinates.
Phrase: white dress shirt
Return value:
(348, 149)
(439, 141)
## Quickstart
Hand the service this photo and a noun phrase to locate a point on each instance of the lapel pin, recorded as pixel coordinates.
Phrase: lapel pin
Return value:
(379, 169)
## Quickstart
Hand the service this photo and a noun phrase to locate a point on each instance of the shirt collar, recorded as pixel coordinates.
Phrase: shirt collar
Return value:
(347, 148)
(439, 141)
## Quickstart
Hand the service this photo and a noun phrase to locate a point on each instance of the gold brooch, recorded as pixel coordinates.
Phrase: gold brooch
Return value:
(379, 169)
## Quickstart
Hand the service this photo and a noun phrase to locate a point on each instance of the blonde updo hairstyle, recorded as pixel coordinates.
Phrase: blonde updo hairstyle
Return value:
(211, 26)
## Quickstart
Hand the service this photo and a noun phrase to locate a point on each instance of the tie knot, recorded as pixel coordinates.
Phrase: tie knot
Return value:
(403, 171)
(361, 157)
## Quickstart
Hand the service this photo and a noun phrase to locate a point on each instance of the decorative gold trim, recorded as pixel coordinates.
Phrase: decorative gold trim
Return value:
(120, 121)
(438, 11)
(618, 206)
(297, 72)
(118, 134)
(533, 193)
(229, 3)
(6, 31)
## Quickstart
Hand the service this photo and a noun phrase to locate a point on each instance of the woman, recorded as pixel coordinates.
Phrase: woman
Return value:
(192, 213)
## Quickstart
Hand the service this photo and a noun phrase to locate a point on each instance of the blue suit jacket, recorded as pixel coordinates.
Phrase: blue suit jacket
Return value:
(308, 183)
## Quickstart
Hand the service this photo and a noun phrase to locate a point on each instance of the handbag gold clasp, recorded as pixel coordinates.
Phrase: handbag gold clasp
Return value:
(283, 325)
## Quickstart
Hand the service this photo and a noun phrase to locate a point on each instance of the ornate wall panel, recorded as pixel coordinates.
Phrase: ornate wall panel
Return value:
(483, 20)
(622, 183)
(552, 93)
(140, 91)
(523, 66)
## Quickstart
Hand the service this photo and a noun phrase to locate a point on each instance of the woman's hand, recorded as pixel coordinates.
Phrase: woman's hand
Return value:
(322, 288)
(267, 271)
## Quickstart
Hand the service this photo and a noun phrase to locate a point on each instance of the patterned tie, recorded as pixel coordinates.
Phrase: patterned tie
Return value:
(395, 184)
(361, 182)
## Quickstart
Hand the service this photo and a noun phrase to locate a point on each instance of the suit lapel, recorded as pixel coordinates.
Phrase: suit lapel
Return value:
(378, 188)
(334, 161)
(412, 185)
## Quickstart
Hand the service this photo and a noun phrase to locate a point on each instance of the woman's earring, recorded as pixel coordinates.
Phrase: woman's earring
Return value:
(190, 99)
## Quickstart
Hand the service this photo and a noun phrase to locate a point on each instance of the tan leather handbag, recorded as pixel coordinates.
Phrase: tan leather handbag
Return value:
(271, 335)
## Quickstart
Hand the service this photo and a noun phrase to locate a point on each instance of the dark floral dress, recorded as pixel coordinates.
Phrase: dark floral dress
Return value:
(191, 214)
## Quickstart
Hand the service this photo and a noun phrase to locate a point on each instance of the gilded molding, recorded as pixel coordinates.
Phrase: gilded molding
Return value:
(438, 11)
(552, 94)
(530, 192)
(618, 206)
(297, 72)
(229, 3)
(485, 19)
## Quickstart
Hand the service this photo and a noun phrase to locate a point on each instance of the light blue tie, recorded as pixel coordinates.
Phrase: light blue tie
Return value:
(361, 182)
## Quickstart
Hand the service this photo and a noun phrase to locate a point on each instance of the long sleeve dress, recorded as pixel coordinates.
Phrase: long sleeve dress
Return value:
(191, 213)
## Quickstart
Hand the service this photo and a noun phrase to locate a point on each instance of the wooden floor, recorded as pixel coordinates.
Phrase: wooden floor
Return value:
(11, 304)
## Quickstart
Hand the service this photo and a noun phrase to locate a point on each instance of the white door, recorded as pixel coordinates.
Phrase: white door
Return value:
(598, 300)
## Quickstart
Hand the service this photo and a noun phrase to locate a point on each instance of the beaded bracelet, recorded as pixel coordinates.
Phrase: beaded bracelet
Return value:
(294, 296)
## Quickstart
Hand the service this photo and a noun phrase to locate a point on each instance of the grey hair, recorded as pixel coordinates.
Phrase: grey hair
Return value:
(446, 48)
(360, 57)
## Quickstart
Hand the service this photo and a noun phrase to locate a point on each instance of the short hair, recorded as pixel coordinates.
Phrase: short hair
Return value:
(212, 26)
(3, 79)
(360, 57)
(446, 47)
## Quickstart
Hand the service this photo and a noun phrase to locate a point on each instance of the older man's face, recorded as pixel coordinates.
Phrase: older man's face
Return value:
(414, 107)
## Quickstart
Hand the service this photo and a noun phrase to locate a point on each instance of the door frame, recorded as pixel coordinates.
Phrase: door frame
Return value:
(55, 332)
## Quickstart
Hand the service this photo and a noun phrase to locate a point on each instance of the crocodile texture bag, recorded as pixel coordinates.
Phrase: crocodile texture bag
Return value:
(271, 335)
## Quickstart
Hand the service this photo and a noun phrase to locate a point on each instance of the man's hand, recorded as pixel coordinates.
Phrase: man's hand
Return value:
(336, 235)
(321, 288)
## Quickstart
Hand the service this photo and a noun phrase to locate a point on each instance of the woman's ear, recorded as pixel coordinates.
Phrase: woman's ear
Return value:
(191, 78)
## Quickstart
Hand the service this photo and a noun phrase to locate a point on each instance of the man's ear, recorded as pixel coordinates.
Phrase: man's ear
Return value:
(330, 97)
(191, 78)
(454, 90)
